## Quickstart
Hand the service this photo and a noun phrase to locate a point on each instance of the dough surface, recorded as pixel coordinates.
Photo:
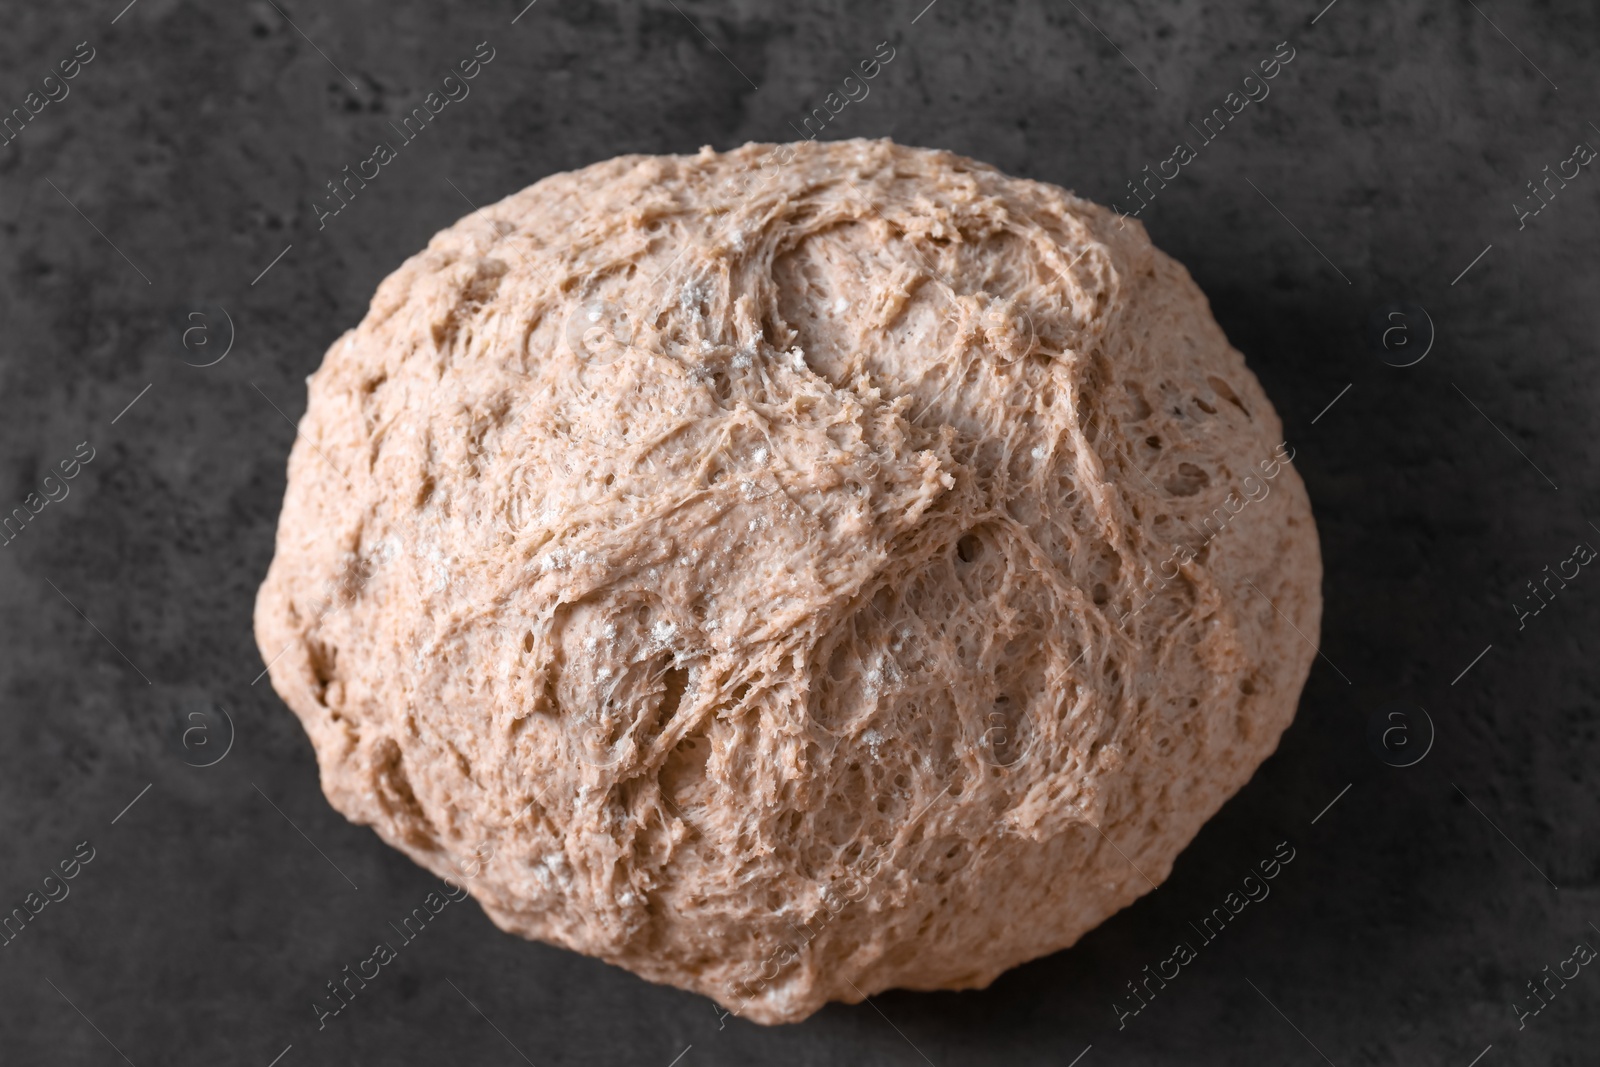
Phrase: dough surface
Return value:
(791, 573)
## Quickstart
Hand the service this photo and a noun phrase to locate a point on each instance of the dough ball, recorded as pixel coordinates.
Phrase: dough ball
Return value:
(791, 573)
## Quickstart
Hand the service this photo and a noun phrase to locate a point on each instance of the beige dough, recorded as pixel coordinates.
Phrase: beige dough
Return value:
(791, 573)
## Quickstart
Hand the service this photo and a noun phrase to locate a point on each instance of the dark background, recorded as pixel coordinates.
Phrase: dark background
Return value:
(1397, 140)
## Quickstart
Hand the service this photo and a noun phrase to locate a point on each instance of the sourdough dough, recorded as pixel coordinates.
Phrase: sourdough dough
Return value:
(794, 572)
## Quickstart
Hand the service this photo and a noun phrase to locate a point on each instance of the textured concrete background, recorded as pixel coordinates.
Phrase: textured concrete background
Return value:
(186, 157)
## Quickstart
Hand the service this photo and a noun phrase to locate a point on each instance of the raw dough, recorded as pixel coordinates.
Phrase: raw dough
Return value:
(791, 573)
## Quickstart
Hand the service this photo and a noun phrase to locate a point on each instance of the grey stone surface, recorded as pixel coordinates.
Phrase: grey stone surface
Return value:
(187, 154)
